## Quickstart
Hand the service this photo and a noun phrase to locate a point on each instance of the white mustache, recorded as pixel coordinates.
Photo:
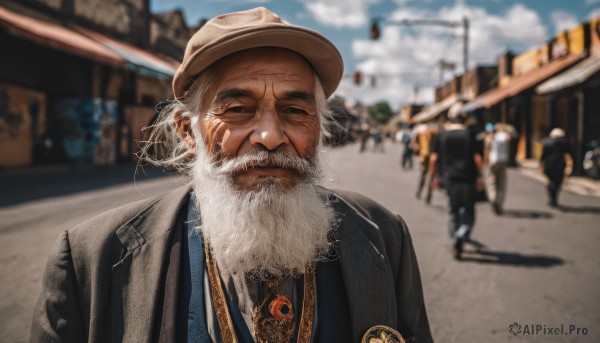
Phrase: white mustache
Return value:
(273, 159)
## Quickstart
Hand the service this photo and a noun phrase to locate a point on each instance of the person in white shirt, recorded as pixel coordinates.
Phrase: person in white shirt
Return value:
(498, 144)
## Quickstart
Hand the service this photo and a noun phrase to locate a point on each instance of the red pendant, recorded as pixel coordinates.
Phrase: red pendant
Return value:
(281, 307)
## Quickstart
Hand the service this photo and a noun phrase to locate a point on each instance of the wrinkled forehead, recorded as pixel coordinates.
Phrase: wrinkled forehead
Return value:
(280, 70)
(265, 59)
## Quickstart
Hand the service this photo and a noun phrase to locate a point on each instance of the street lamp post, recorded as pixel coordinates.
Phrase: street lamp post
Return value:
(375, 31)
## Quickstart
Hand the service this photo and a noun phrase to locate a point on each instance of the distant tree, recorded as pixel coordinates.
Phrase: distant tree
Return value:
(381, 112)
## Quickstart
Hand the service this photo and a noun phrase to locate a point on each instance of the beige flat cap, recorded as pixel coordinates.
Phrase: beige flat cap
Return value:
(229, 33)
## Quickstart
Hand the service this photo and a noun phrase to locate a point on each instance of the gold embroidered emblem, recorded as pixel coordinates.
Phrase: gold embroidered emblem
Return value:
(382, 334)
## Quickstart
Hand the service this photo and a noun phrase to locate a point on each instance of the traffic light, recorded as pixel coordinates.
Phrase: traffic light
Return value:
(357, 78)
(375, 30)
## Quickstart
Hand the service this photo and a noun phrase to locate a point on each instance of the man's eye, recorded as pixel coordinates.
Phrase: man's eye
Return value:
(294, 110)
(239, 109)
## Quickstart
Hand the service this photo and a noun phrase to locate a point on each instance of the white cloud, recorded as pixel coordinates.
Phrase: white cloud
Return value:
(404, 2)
(339, 13)
(591, 2)
(412, 53)
(563, 20)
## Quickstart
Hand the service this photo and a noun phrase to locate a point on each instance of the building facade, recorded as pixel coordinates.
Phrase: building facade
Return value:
(515, 102)
(463, 88)
(81, 78)
(571, 99)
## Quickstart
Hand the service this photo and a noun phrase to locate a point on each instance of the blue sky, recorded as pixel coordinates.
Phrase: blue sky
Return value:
(406, 57)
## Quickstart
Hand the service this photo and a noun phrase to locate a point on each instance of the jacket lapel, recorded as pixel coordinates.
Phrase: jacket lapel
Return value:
(136, 279)
(366, 272)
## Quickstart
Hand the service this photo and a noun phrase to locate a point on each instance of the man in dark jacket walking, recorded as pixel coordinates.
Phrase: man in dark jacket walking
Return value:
(457, 157)
(556, 156)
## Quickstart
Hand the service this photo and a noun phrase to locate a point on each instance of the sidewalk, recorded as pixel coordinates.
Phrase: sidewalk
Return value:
(575, 184)
(26, 184)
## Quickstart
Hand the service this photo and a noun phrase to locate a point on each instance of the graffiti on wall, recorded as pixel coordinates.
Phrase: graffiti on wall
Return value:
(89, 130)
(22, 122)
(10, 120)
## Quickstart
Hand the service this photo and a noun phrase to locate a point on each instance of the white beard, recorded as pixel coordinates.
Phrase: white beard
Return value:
(268, 231)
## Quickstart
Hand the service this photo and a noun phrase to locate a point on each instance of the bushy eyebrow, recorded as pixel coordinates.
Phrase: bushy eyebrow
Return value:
(239, 92)
(298, 95)
(231, 93)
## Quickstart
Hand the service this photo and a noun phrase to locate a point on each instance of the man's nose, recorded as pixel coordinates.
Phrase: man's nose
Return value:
(269, 131)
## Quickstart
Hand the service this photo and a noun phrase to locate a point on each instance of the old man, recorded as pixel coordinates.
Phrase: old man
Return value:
(253, 250)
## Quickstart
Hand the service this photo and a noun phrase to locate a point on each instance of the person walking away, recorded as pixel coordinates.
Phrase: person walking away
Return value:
(407, 158)
(556, 155)
(498, 146)
(364, 136)
(422, 141)
(458, 156)
(378, 140)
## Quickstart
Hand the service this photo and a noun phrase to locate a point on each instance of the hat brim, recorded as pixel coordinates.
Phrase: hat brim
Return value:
(316, 49)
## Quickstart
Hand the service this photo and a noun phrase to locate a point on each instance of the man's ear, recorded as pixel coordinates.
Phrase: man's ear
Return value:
(183, 125)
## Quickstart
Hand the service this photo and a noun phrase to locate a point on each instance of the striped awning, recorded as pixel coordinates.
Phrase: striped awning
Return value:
(140, 60)
(56, 36)
(435, 110)
(572, 77)
(522, 82)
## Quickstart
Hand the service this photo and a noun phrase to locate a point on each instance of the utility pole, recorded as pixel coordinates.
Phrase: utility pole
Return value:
(375, 31)
(465, 45)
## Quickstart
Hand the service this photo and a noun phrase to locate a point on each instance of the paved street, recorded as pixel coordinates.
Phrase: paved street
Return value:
(535, 265)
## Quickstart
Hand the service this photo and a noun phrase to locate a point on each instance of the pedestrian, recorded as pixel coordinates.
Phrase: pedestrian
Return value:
(457, 157)
(365, 133)
(591, 159)
(556, 157)
(497, 143)
(378, 140)
(423, 140)
(252, 249)
(407, 151)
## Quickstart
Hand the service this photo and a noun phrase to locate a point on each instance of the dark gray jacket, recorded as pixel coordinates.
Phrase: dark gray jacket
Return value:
(103, 277)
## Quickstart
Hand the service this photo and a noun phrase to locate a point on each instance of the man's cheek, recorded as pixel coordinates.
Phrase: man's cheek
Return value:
(232, 140)
(212, 134)
(306, 138)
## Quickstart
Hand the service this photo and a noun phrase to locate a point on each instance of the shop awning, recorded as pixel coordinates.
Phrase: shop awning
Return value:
(58, 37)
(521, 83)
(142, 61)
(572, 77)
(435, 109)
